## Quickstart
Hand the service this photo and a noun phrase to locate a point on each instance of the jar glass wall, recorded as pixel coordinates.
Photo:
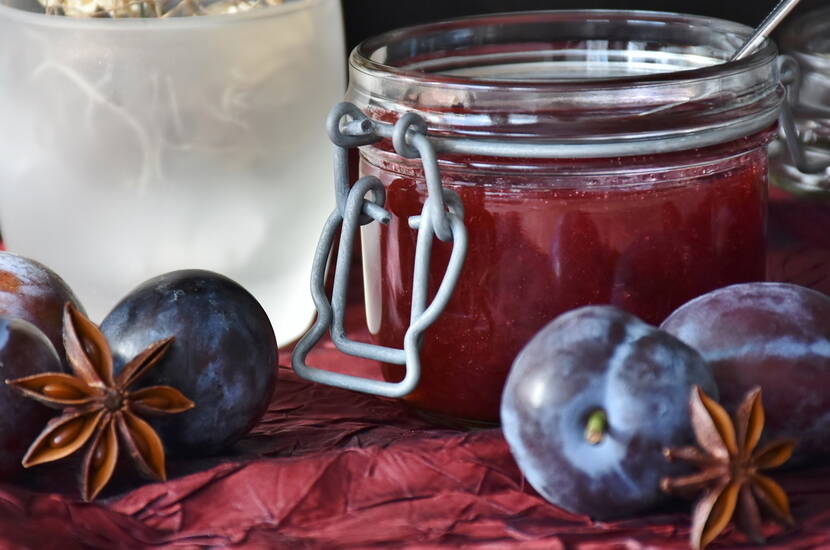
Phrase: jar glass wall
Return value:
(657, 193)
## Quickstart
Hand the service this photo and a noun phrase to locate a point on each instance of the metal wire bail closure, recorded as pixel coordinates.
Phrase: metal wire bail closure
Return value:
(442, 216)
(789, 70)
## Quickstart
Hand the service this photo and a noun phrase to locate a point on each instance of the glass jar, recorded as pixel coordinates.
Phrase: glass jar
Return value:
(649, 187)
(806, 41)
(136, 146)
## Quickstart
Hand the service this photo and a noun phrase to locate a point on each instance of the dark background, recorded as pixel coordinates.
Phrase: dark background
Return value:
(365, 18)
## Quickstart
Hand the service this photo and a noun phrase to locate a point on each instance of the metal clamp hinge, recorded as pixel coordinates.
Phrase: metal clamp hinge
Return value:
(790, 75)
(442, 216)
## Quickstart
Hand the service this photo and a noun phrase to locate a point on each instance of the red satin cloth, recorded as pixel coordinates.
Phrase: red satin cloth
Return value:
(328, 468)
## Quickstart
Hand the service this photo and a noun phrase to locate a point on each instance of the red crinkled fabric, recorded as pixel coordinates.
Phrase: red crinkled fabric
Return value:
(327, 468)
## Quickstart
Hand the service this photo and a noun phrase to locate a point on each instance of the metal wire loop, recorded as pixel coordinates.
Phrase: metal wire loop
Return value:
(372, 209)
(788, 69)
(434, 188)
(409, 121)
(453, 203)
(359, 128)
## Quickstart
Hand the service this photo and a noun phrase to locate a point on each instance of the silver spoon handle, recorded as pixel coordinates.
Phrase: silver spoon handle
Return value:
(772, 20)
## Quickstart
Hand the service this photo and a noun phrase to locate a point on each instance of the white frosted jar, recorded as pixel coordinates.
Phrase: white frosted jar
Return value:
(133, 147)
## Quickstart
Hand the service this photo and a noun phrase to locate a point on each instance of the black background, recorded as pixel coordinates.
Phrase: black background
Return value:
(365, 18)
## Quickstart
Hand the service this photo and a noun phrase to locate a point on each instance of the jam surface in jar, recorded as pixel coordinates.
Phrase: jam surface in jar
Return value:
(628, 231)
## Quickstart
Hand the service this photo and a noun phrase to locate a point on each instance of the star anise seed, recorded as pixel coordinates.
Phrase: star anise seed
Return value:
(730, 468)
(99, 408)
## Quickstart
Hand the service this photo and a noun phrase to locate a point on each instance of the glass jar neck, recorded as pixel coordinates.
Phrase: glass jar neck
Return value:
(609, 83)
(632, 171)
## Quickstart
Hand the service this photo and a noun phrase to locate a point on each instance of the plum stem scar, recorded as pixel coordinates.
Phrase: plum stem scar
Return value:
(596, 426)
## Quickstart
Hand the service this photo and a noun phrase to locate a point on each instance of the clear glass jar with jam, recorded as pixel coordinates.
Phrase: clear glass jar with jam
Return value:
(620, 159)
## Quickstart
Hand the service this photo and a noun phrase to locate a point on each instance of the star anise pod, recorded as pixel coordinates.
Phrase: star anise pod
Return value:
(730, 469)
(99, 407)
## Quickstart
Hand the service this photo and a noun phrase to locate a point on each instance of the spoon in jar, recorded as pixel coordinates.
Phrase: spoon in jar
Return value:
(786, 120)
(763, 30)
(760, 33)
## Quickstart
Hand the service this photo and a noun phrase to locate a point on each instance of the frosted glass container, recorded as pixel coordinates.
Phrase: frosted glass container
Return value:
(133, 147)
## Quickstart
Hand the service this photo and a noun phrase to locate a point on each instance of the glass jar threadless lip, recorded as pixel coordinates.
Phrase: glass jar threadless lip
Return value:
(594, 83)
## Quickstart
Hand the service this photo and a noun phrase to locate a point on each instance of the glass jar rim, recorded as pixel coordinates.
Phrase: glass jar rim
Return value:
(361, 56)
(712, 100)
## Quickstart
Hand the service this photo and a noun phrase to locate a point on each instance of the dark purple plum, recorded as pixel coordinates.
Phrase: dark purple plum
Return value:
(31, 291)
(600, 363)
(223, 358)
(773, 335)
(24, 351)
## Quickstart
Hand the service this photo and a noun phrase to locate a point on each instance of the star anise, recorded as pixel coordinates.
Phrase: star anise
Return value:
(730, 469)
(100, 407)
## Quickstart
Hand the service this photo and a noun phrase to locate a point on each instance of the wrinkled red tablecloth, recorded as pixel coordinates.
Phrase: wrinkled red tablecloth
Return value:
(327, 468)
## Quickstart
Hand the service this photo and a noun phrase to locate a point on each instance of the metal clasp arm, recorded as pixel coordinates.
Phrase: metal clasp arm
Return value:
(442, 216)
(331, 314)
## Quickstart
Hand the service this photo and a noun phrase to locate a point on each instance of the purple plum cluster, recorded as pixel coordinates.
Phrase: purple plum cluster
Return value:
(223, 356)
(597, 394)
